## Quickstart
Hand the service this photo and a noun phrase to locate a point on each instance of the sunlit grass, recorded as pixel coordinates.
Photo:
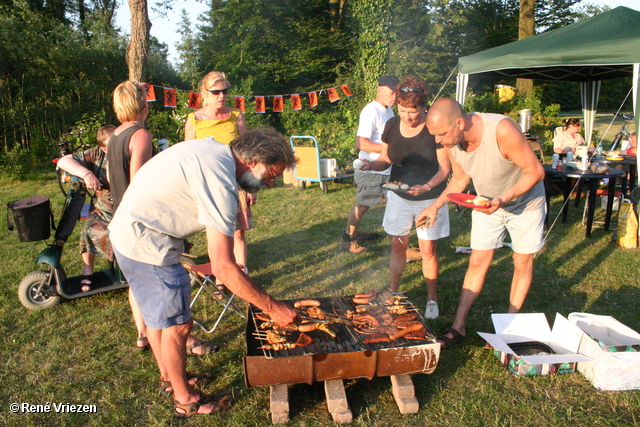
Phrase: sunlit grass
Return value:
(82, 351)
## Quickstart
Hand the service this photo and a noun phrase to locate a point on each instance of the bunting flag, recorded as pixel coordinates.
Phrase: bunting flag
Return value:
(313, 99)
(194, 100)
(238, 102)
(296, 104)
(170, 100)
(260, 106)
(333, 94)
(151, 93)
(278, 104)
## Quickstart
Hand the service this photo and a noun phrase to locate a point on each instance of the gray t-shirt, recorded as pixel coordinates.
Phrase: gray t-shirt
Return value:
(173, 196)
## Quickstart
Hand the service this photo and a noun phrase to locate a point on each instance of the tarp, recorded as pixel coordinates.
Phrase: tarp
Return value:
(602, 47)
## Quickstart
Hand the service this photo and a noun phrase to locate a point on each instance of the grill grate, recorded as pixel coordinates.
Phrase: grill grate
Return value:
(347, 339)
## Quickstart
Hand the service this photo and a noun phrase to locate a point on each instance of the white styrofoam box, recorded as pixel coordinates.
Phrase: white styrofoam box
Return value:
(614, 350)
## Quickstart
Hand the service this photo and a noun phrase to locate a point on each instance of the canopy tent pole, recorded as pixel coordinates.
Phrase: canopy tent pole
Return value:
(461, 87)
(636, 110)
(589, 94)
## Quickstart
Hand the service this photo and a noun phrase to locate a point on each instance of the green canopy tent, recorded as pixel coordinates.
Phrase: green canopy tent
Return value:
(602, 47)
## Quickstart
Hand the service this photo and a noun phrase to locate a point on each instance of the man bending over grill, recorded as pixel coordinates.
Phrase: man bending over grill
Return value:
(491, 150)
(190, 187)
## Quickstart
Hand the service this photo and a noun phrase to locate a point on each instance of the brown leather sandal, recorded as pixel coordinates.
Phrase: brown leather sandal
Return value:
(220, 404)
(166, 390)
(205, 348)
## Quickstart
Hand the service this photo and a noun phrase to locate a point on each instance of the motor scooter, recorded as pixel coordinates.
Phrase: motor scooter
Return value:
(44, 288)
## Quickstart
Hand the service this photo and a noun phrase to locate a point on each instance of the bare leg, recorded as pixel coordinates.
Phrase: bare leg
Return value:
(240, 247)
(522, 278)
(397, 260)
(169, 350)
(473, 283)
(430, 267)
(87, 270)
(137, 317)
(354, 218)
(87, 263)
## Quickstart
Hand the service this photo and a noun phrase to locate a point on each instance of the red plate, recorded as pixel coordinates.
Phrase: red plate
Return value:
(461, 199)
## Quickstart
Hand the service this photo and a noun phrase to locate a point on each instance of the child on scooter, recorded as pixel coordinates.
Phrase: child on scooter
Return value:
(91, 166)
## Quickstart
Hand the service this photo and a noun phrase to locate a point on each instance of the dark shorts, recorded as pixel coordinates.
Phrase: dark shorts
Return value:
(163, 293)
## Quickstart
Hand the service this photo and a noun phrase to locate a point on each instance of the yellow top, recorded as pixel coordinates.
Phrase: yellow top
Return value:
(223, 131)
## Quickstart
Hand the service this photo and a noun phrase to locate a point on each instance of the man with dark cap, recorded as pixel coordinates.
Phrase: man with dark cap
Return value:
(368, 140)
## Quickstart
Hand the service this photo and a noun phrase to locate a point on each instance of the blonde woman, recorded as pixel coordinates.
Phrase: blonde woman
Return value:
(130, 148)
(224, 123)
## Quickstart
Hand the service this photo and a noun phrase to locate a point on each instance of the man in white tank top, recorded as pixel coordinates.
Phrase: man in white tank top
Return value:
(491, 150)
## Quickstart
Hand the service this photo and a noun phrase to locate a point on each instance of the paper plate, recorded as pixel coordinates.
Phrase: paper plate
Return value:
(461, 199)
(615, 158)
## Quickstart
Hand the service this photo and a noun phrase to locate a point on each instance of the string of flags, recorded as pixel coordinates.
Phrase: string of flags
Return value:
(195, 98)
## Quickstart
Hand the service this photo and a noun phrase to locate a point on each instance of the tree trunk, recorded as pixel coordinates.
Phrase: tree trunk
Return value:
(526, 29)
(138, 49)
(335, 11)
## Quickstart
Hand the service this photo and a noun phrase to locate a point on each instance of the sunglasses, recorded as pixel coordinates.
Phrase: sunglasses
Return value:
(219, 91)
(410, 90)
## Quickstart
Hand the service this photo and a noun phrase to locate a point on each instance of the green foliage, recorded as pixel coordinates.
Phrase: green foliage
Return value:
(280, 45)
(56, 72)
(371, 21)
(544, 117)
(332, 126)
(51, 76)
(15, 163)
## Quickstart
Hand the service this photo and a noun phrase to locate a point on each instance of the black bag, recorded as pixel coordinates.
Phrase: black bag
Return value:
(33, 218)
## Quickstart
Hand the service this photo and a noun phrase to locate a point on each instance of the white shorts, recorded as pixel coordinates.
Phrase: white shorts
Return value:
(526, 230)
(400, 216)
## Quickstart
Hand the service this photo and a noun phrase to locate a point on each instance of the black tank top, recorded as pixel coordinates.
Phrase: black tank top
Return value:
(415, 160)
(119, 163)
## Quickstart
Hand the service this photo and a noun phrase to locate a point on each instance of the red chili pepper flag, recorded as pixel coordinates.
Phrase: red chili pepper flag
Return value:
(333, 94)
(170, 100)
(238, 102)
(278, 104)
(296, 104)
(313, 99)
(260, 106)
(194, 100)
(346, 90)
(151, 94)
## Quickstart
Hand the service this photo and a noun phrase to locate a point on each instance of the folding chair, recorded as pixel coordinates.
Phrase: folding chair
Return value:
(202, 277)
(537, 148)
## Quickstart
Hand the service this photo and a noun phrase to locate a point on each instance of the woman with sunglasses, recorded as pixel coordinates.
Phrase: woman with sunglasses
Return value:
(218, 120)
(570, 138)
(418, 161)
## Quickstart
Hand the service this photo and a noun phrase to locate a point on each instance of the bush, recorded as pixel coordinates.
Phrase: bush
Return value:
(15, 163)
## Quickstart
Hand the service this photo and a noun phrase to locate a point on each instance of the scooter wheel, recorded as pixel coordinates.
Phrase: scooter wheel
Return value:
(35, 294)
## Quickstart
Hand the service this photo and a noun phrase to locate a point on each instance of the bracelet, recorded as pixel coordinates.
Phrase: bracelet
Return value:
(86, 174)
(430, 187)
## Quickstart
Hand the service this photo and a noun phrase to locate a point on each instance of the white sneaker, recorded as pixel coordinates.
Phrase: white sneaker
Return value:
(432, 311)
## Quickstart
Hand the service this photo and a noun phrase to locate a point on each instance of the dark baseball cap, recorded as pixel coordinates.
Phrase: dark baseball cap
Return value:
(389, 81)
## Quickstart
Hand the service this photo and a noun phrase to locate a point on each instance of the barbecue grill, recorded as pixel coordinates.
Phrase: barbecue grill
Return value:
(331, 359)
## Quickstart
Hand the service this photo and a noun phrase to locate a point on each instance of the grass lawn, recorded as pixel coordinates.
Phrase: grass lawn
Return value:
(81, 352)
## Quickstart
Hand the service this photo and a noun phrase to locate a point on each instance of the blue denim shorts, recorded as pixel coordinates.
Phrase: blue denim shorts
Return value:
(163, 293)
